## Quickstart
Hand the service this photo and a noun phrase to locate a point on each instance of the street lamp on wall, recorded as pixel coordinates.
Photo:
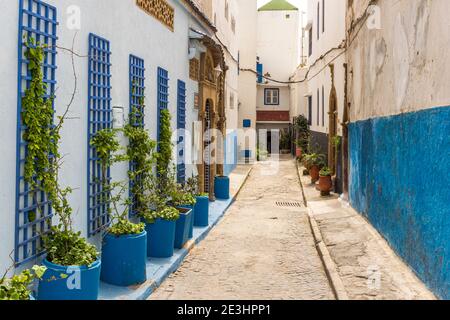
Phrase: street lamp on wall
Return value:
(218, 70)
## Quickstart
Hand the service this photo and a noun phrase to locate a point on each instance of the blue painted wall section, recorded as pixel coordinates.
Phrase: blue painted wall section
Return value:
(231, 153)
(399, 181)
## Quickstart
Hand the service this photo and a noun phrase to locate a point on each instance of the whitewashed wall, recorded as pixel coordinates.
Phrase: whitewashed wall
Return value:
(230, 42)
(404, 57)
(319, 76)
(278, 42)
(130, 31)
(247, 28)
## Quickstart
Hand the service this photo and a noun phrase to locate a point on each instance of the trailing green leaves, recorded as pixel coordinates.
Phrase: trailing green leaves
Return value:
(141, 153)
(69, 248)
(42, 162)
(17, 287)
(165, 213)
(125, 227)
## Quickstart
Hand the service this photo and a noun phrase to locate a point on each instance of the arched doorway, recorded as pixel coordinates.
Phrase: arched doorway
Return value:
(211, 114)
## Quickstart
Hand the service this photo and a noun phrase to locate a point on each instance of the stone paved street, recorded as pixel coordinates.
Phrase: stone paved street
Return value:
(258, 251)
(366, 266)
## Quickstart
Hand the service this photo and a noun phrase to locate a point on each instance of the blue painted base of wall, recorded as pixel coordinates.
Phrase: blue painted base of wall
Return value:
(400, 181)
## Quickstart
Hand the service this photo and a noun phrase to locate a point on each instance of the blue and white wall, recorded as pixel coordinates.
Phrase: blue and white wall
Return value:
(400, 131)
(130, 31)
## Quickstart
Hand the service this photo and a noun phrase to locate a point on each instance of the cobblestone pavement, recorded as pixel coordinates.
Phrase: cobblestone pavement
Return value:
(258, 251)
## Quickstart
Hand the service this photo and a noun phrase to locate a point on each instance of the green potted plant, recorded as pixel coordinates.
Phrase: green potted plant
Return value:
(184, 201)
(124, 247)
(325, 183)
(201, 208)
(303, 133)
(72, 264)
(18, 286)
(314, 162)
(160, 216)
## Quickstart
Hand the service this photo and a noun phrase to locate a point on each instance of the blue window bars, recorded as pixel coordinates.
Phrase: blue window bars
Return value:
(181, 125)
(163, 94)
(99, 118)
(137, 89)
(137, 95)
(37, 20)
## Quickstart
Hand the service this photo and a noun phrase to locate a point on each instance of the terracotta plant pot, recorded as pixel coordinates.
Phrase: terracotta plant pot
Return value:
(325, 185)
(314, 173)
(298, 152)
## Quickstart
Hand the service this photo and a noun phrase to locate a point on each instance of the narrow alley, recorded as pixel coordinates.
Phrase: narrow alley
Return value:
(260, 250)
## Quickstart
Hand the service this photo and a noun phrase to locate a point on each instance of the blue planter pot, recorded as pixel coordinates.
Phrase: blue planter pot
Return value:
(81, 283)
(201, 217)
(124, 259)
(160, 238)
(183, 227)
(222, 188)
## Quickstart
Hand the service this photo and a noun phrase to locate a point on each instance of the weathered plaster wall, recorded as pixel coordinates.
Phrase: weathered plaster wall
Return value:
(130, 31)
(280, 55)
(399, 131)
(405, 59)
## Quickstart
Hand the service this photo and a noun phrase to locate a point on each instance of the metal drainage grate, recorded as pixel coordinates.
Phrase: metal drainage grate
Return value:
(289, 204)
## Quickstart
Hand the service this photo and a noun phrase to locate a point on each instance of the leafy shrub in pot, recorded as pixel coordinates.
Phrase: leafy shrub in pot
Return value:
(314, 162)
(325, 183)
(124, 247)
(159, 214)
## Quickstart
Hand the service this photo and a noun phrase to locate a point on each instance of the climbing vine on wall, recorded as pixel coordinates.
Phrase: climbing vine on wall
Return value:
(140, 152)
(42, 164)
(41, 136)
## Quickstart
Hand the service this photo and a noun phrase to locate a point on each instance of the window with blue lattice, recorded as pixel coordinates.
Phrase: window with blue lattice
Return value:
(99, 118)
(37, 21)
(181, 126)
(163, 93)
(137, 96)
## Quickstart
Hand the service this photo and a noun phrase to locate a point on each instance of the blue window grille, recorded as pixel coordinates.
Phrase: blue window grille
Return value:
(99, 118)
(137, 89)
(163, 93)
(37, 20)
(247, 123)
(181, 125)
(137, 95)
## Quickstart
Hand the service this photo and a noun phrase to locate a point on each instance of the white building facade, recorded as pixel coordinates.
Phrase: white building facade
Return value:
(137, 44)
(319, 93)
(278, 55)
(247, 80)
